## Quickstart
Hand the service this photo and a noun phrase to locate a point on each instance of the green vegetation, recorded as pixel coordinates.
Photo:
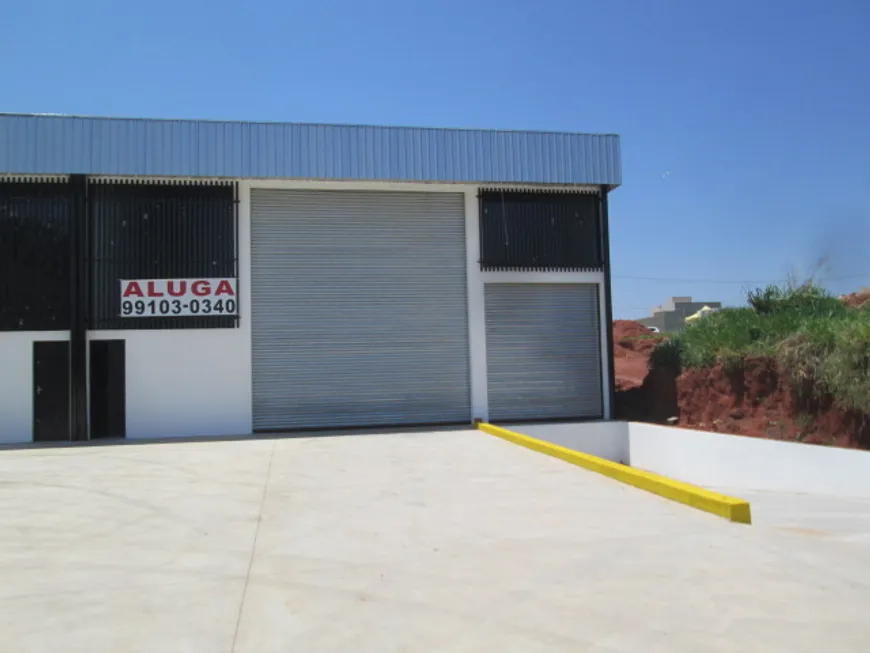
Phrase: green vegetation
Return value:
(805, 423)
(822, 344)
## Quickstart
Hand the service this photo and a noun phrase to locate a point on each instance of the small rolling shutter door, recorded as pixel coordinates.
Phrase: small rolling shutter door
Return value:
(543, 351)
(359, 307)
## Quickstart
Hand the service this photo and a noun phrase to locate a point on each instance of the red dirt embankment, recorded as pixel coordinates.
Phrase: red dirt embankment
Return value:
(642, 394)
(857, 299)
(757, 400)
(632, 346)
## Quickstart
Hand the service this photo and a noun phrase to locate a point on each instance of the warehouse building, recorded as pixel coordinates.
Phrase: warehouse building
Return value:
(189, 278)
(671, 316)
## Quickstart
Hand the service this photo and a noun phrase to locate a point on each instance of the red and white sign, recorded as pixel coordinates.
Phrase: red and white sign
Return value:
(178, 297)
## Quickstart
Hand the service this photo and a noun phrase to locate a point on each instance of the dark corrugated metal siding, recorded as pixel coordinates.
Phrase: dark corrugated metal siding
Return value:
(159, 231)
(35, 256)
(523, 230)
(190, 148)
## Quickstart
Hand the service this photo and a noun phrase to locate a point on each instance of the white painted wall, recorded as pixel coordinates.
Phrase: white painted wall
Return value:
(186, 382)
(192, 382)
(16, 383)
(198, 382)
(476, 313)
(715, 460)
(608, 440)
(476, 279)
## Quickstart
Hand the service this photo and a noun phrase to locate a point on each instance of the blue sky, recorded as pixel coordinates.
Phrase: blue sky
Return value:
(745, 124)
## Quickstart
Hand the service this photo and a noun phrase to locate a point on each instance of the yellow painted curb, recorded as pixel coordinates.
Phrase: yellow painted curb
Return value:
(731, 508)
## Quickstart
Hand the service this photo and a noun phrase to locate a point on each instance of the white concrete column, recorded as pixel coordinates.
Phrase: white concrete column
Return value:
(245, 287)
(476, 313)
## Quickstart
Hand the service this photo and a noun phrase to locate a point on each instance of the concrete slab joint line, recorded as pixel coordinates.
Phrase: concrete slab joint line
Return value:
(731, 508)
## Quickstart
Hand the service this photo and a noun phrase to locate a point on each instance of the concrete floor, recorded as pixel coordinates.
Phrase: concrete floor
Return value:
(435, 542)
(844, 519)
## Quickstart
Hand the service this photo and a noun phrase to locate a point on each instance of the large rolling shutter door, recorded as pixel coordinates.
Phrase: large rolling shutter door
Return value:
(543, 351)
(359, 309)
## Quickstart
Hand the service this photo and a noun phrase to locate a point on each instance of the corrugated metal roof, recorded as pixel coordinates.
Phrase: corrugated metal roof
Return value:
(52, 144)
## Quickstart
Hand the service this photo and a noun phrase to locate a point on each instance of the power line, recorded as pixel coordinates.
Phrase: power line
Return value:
(734, 281)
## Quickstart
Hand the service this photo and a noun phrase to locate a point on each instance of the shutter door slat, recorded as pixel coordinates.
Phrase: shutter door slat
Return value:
(359, 309)
(543, 351)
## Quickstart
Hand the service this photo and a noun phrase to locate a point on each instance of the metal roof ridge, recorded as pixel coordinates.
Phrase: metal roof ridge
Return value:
(306, 124)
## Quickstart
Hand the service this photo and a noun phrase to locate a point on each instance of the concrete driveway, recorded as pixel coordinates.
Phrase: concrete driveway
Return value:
(431, 542)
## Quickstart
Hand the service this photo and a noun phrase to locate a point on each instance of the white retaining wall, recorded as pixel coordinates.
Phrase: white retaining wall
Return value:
(607, 440)
(715, 460)
(732, 461)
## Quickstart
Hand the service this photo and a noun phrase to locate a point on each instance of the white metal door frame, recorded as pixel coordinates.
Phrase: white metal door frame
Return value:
(406, 256)
(476, 278)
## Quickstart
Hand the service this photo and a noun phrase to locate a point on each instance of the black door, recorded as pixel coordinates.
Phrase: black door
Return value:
(108, 392)
(51, 391)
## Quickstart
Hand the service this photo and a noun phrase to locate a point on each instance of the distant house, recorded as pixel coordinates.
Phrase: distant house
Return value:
(672, 315)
